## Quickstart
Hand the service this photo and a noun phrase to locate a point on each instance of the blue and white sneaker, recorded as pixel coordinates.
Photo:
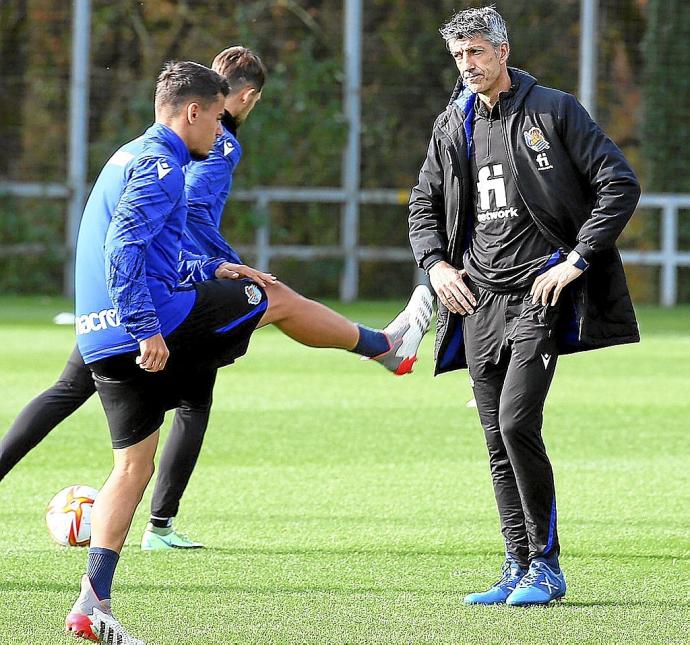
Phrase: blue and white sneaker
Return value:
(498, 593)
(540, 586)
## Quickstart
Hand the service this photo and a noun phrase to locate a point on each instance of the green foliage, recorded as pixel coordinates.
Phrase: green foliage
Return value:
(666, 88)
(38, 226)
(295, 135)
(665, 147)
(13, 39)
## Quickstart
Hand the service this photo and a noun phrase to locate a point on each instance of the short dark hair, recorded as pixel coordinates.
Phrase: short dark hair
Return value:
(240, 66)
(182, 80)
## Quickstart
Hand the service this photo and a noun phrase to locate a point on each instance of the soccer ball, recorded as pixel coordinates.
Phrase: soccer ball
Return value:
(69, 515)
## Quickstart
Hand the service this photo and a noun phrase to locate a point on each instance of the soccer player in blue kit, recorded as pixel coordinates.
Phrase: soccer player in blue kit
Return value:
(150, 338)
(129, 304)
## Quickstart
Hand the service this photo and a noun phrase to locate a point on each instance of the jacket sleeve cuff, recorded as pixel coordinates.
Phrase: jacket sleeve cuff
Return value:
(431, 259)
(211, 266)
(584, 251)
(148, 332)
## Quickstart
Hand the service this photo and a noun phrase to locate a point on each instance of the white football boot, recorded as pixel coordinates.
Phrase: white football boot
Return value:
(93, 619)
(405, 332)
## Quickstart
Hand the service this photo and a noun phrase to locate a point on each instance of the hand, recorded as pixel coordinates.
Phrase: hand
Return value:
(554, 279)
(154, 354)
(448, 284)
(230, 271)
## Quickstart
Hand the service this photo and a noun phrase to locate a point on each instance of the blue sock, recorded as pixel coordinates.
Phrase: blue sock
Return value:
(372, 342)
(101, 569)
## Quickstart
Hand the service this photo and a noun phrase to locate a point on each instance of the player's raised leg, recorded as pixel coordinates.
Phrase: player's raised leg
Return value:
(312, 323)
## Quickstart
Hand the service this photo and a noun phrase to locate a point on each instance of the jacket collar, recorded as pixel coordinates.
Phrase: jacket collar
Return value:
(464, 99)
(522, 83)
(229, 123)
(172, 141)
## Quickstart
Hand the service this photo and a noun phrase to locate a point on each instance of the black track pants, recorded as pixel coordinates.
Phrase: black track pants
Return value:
(511, 353)
(182, 447)
(47, 410)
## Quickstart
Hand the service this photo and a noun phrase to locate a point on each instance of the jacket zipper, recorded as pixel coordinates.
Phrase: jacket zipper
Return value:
(452, 239)
(488, 139)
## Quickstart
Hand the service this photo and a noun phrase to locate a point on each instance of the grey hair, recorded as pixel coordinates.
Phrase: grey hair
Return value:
(482, 21)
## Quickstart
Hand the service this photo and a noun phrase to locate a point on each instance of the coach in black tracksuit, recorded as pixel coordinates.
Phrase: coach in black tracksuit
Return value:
(515, 215)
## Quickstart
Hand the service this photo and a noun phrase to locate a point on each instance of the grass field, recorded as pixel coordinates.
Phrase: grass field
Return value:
(343, 505)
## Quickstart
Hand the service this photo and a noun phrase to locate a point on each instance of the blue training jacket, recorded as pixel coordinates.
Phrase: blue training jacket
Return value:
(129, 261)
(208, 184)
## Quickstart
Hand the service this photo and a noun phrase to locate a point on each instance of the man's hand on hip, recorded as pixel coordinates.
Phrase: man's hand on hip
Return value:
(449, 286)
(154, 354)
(555, 279)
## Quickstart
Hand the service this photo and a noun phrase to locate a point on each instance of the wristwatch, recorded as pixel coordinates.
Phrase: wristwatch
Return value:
(577, 261)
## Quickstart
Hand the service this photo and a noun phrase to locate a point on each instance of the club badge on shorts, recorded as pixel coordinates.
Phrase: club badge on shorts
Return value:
(253, 294)
(534, 138)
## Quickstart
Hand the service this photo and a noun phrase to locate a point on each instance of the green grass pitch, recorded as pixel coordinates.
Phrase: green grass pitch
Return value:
(343, 505)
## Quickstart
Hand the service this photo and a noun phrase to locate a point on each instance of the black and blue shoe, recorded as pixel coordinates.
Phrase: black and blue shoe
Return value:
(540, 586)
(499, 592)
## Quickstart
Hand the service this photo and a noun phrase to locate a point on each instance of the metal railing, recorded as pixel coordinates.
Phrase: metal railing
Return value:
(668, 257)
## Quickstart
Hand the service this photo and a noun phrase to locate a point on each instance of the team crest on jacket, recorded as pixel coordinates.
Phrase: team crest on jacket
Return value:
(534, 138)
(253, 294)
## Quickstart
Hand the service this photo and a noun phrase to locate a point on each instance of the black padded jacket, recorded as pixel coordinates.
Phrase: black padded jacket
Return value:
(582, 201)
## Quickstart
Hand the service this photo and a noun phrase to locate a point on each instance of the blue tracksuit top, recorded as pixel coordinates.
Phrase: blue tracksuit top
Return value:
(129, 257)
(208, 184)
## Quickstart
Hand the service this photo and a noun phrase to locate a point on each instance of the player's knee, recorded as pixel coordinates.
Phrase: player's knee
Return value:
(137, 471)
(282, 300)
(501, 469)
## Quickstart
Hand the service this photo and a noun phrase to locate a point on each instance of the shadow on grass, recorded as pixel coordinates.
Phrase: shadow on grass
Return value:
(649, 604)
